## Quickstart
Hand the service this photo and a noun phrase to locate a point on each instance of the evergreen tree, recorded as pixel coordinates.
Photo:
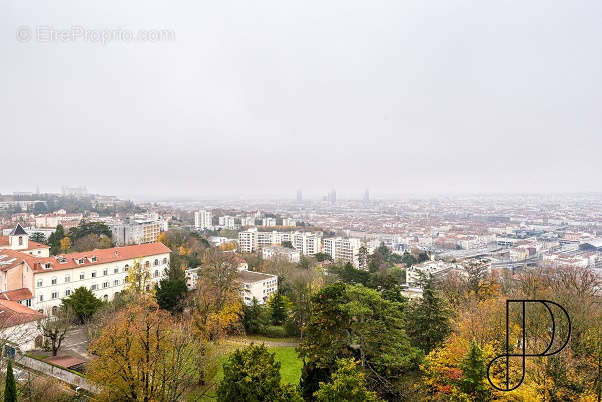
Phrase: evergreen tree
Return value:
(253, 317)
(348, 384)
(278, 308)
(83, 303)
(10, 388)
(474, 374)
(170, 293)
(362, 257)
(429, 320)
(253, 374)
(54, 240)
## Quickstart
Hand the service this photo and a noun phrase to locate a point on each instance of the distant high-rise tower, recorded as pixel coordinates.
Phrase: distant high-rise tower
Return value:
(299, 195)
(366, 195)
(332, 197)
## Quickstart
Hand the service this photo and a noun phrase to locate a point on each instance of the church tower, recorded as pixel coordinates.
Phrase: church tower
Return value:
(18, 239)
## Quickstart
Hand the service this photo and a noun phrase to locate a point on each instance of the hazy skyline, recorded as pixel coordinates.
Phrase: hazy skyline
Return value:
(269, 97)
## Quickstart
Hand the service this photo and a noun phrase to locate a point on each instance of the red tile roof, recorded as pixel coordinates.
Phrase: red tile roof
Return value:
(30, 244)
(103, 256)
(16, 295)
(65, 361)
(13, 313)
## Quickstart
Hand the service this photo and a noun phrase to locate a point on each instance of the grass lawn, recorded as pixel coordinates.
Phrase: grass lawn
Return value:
(290, 366)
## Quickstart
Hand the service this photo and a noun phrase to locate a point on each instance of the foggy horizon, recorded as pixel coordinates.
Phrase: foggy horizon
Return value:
(413, 98)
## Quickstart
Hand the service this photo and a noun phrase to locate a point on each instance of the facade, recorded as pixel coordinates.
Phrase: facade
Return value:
(345, 250)
(305, 243)
(41, 282)
(268, 222)
(18, 325)
(253, 284)
(137, 232)
(289, 222)
(18, 239)
(257, 285)
(289, 254)
(203, 219)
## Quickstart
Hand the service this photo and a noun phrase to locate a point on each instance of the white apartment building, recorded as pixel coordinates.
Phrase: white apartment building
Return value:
(203, 219)
(228, 222)
(289, 254)
(289, 222)
(41, 282)
(345, 250)
(268, 222)
(257, 285)
(305, 242)
(137, 231)
(253, 284)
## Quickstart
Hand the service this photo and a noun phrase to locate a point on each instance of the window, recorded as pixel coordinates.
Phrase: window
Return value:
(39, 283)
(53, 280)
(116, 270)
(54, 295)
(67, 278)
(55, 310)
(68, 292)
(165, 260)
(156, 273)
(105, 297)
(105, 272)
(116, 282)
(93, 287)
(93, 274)
(93, 259)
(125, 269)
(41, 298)
(82, 276)
(20, 240)
(105, 285)
(156, 262)
(147, 264)
(28, 302)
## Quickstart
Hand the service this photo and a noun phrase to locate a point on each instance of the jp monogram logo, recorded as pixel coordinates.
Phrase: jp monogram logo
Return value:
(547, 352)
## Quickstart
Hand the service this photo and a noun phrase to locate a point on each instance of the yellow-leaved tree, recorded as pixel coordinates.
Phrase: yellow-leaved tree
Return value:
(144, 354)
(217, 303)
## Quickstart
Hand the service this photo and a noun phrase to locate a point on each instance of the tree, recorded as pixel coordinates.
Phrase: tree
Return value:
(55, 327)
(144, 354)
(362, 257)
(138, 278)
(38, 237)
(252, 374)
(474, 374)
(217, 302)
(10, 387)
(65, 244)
(82, 303)
(430, 319)
(170, 293)
(287, 244)
(321, 257)
(354, 321)
(278, 309)
(254, 317)
(348, 383)
(54, 240)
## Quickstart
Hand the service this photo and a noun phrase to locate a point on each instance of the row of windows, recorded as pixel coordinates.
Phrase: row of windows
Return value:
(94, 286)
(105, 272)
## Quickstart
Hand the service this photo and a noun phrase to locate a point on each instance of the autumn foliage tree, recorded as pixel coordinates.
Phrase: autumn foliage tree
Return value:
(218, 306)
(144, 354)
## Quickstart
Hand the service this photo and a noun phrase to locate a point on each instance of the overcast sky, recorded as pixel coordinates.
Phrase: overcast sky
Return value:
(264, 97)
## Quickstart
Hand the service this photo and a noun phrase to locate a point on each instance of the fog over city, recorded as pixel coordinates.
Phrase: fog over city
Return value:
(263, 98)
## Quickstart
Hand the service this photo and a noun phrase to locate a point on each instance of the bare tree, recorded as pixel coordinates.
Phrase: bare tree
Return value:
(55, 327)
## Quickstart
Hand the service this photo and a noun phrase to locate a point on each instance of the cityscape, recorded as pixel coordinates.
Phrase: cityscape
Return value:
(274, 201)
